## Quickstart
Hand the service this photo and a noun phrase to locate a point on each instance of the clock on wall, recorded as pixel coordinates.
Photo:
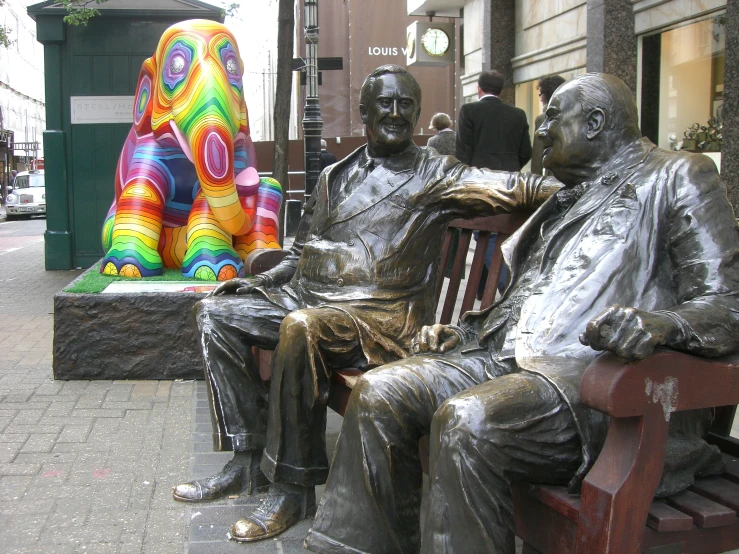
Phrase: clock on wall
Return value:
(430, 43)
(435, 41)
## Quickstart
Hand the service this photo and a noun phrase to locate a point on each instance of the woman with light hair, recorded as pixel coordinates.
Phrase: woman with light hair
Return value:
(445, 141)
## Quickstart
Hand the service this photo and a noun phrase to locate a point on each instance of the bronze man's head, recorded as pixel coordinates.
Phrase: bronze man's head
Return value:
(390, 105)
(587, 121)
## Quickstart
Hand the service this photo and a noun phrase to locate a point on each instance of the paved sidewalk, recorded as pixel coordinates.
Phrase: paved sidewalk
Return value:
(84, 466)
(89, 466)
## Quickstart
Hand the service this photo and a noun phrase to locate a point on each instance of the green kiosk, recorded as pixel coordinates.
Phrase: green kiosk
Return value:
(91, 76)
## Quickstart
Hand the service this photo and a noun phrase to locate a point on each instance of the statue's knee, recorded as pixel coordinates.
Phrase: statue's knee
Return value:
(295, 326)
(458, 419)
(373, 392)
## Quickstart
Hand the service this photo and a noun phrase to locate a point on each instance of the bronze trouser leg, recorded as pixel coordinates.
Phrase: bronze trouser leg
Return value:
(312, 341)
(513, 428)
(373, 496)
(229, 326)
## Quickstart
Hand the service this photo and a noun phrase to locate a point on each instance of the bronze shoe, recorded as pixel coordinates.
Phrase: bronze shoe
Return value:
(233, 478)
(278, 512)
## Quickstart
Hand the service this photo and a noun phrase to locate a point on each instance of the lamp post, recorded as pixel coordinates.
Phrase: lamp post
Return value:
(312, 122)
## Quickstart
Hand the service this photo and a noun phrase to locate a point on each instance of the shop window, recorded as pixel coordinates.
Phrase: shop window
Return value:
(682, 73)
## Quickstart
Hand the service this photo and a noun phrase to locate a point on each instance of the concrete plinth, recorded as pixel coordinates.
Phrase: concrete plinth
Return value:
(125, 336)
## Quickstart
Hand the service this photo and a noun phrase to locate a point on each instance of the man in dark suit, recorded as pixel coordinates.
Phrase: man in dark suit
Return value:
(494, 135)
(327, 158)
(639, 251)
(490, 133)
(354, 289)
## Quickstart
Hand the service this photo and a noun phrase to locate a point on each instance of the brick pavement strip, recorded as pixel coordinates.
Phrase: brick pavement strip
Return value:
(84, 466)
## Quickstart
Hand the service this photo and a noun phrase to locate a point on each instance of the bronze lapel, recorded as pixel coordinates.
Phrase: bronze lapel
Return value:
(378, 185)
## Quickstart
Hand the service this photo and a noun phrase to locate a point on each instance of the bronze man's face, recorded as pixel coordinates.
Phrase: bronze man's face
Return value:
(564, 131)
(390, 114)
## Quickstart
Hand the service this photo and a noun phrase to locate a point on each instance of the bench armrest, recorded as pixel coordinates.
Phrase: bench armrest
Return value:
(640, 396)
(678, 381)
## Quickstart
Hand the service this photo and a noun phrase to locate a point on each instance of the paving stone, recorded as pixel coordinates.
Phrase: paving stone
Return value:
(19, 469)
(18, 397)
(60, 407)
(46, 457)
(28, 416)
(22, 530)
(39, 443)
(4, 422)
(71, 514)
(41, 428)
(74, 433)
(26, 506)
(9, 450)
(50, 389)
(97, 413)
(119, 393)
(13, 487)
(14, 437)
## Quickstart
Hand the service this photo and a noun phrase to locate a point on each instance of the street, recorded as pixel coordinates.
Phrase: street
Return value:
(18, 234)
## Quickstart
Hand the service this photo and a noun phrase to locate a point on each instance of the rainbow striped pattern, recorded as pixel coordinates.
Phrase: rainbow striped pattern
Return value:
(187, 191)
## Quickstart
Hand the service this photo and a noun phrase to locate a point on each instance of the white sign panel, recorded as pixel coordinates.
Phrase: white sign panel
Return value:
(102, 109)
(128, 287)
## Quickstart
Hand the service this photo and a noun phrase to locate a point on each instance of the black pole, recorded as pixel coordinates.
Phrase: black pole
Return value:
(312, 122)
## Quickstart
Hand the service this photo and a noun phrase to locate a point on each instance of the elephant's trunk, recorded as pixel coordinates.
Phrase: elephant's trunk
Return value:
(210, 131)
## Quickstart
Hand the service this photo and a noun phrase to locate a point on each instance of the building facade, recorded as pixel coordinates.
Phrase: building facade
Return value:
(676, 55)
(22, 110)
(367, 35)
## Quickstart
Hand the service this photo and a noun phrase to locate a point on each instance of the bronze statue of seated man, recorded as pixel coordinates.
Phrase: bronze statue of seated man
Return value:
(354, 290)
(639, 250)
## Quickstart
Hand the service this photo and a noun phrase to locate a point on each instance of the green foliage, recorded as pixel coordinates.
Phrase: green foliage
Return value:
(5, 40)
(81, 11)
(231, 9)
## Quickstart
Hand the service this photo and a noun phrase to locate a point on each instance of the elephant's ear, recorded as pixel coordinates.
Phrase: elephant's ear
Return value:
(143, 101)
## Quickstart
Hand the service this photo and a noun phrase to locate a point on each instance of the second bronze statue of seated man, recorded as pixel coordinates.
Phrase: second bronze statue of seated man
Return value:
(640, 250)
(356, 287)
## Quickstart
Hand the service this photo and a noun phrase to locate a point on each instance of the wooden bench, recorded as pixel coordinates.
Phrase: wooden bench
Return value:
(503, 225)
(616, 512)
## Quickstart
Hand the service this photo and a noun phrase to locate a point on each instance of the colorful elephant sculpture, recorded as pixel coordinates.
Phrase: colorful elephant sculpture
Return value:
(187, 192)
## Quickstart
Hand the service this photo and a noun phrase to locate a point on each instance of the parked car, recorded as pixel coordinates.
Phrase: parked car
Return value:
(28, 195)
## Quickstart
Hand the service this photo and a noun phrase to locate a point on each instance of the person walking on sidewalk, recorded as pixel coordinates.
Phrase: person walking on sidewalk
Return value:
(327, 158)
(444, 142)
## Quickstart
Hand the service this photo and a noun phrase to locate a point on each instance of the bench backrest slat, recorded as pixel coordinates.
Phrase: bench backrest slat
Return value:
(503, 225)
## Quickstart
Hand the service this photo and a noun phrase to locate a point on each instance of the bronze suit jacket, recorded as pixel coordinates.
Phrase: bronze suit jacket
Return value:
(655, 232)
(375, 256)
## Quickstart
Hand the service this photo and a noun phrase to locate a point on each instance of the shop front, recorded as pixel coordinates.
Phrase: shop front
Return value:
(681, 84)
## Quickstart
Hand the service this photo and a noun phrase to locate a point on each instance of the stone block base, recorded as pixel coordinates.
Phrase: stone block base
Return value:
(126, 336)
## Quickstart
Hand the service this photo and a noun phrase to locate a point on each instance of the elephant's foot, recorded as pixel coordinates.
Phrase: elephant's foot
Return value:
(129, 263)
(220, 265)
